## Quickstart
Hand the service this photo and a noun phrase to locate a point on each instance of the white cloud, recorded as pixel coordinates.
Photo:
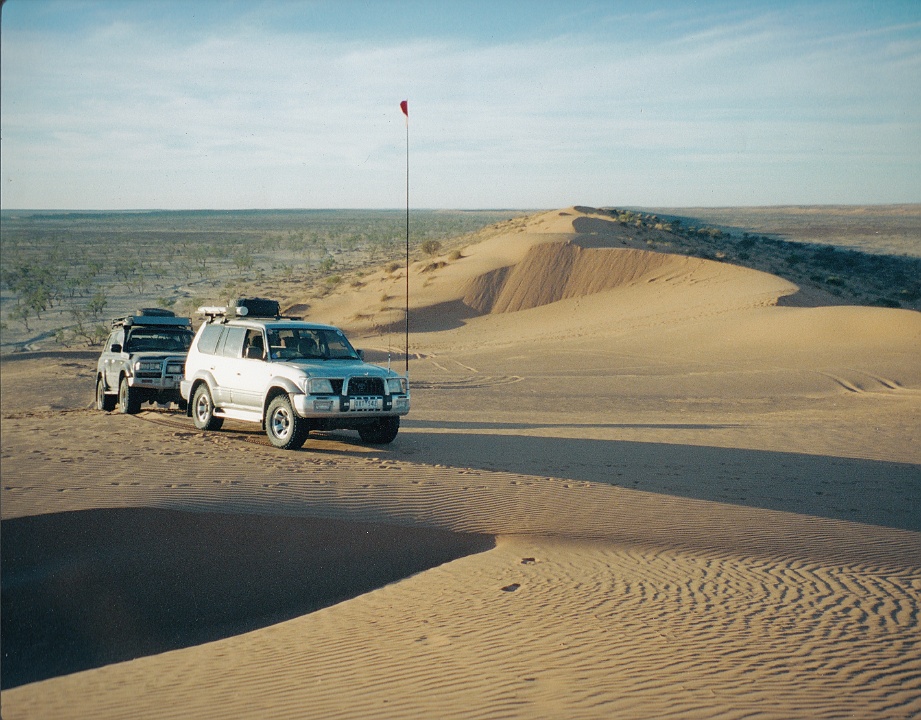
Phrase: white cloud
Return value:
(125, 115)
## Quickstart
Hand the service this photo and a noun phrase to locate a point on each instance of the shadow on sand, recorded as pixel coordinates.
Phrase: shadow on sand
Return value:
(887, 494)
(89, 588)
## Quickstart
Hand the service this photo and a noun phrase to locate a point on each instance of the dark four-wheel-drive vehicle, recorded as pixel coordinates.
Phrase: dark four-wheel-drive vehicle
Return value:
(249, 363)
(143, 361)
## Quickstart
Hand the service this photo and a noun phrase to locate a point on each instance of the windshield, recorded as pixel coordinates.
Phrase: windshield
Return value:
(309, 344)
(158, 339)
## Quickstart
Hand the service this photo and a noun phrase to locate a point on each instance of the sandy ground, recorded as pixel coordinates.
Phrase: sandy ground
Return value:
(631, 485)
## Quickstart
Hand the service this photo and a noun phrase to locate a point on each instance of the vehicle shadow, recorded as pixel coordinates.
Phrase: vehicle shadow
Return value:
(880, 493)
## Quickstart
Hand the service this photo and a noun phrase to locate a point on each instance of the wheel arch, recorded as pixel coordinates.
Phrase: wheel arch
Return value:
(282, 386)
(272, 393)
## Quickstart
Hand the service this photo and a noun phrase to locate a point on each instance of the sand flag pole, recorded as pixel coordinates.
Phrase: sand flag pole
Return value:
(404, 106)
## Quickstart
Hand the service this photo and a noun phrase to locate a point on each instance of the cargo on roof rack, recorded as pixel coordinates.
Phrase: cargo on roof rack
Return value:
(244, 307)
(152, 316)
(257, 307)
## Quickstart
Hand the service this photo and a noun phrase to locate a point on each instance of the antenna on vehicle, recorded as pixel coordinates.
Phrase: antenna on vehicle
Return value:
(404, 106)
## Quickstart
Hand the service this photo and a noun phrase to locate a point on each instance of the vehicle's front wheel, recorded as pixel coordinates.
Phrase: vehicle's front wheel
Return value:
(286, 429)
(103, 401)
(129, 399)
(380, 432)
(203, 410)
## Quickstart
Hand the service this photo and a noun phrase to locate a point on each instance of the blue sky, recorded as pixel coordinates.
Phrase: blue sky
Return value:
(110, 104)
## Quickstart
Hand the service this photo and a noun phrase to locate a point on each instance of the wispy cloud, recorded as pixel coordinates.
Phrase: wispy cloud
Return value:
(125, 113)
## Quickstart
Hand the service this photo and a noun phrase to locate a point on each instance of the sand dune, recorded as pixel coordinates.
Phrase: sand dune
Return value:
(653, 492)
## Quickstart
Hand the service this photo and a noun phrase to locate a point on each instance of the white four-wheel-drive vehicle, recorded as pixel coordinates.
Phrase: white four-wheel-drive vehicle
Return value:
(143, 360)
(249, 363)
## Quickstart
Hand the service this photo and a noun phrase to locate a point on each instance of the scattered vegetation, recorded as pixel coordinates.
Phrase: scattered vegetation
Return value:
(63, 274)
(861, 277)
(430, 247)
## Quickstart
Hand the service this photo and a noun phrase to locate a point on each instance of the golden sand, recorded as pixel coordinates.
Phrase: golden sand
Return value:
(690, 502)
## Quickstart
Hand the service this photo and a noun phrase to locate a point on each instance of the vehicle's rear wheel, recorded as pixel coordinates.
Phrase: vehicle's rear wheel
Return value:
(129, 399)
(203, 410)
(381, 432)
(286, 429)
(103, 401)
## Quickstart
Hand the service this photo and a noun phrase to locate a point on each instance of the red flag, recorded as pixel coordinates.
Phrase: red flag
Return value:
(404, 106)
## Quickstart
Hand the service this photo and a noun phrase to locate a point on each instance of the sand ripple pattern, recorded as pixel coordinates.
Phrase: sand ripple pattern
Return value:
(597, 601)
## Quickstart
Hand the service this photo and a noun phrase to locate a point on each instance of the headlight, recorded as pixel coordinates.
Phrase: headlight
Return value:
(319, 386)
(396, 386)
(147, 366)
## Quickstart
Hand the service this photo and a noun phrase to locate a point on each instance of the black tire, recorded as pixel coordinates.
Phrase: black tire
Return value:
(381, 432)
(285, 428)
(203, 410)
(129, 399)
(103, 401)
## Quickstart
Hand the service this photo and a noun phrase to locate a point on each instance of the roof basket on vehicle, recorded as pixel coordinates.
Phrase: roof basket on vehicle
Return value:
(244, 307)
(257, 307)
(151, 316)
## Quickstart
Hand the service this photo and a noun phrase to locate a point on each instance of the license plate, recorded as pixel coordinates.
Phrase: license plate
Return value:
(366, 404)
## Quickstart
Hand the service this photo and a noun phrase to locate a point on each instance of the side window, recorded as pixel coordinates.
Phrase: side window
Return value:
(232, 345)
(207, 343)
(254, 345)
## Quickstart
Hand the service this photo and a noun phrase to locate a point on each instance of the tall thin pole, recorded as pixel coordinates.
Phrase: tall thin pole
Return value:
(404, 106)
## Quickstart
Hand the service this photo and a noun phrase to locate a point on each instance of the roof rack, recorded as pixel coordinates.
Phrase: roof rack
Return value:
(149, 319)
(155, 312)
(244, 307)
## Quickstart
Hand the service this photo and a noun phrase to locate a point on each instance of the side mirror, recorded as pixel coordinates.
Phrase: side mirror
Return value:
(361, 354)
(116, 348)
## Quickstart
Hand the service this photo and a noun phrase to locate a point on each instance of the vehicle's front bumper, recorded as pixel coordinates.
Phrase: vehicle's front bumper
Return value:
(161, 383)
(322, 406)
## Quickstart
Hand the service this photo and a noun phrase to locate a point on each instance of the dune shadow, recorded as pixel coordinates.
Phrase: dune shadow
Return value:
(89, 588)
(875, 492)
(487, 425)
(448, 315)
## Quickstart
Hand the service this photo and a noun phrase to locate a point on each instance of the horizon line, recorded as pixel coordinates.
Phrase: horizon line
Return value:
(77, 211)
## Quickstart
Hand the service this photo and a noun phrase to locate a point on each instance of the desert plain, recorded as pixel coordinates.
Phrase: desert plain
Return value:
(633, 483)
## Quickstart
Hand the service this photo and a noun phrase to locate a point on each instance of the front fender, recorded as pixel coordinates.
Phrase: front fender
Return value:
(280, 386)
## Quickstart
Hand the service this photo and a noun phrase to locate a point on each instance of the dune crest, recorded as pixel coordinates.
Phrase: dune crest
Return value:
(545, 259)
(552, 272)
(580, 251)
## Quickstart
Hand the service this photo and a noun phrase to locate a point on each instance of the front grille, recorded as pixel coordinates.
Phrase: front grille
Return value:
(366, 386)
